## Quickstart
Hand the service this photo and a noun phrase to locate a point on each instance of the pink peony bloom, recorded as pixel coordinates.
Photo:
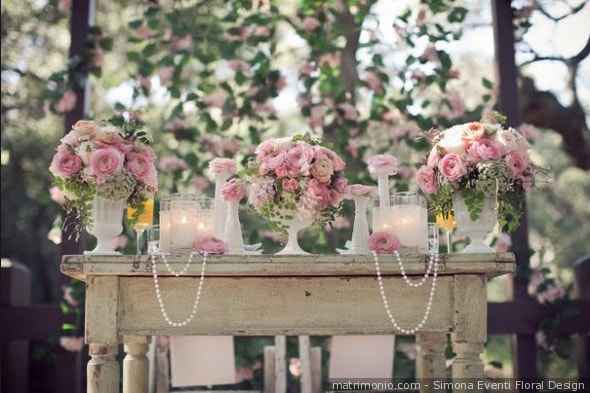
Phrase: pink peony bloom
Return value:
(65, 163)
(219, 166)
(484, 149)
(426, 180)
(349, 112)
(141, 166)
(360, 190)
(172, 164)
(517, 163)
(106, 162)
(290, 185)
(57, 195)
(452, 167)
(182, 43)
(383, 164)
(310, 24)
(209, 245)
(383, 243)
(165, 74)
(67, 102)
(200, 183)
(233, 191)
(215, 99)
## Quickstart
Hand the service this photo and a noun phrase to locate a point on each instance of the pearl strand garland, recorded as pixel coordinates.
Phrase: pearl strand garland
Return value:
(195, 307)
(181, 271)
(433, 259)
(405, 276)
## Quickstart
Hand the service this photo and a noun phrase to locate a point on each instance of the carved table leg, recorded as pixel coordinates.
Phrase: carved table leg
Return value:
(470, 331)
(135, 364)
(103, 369)
(431, 360)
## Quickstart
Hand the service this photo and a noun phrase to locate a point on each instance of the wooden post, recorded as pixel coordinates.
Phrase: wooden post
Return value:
(305, 358)
(135, 364)
(103, 369)
(524, 345)
(582, 285)
(280, 364)
(269, 369)
(316, 370)
(81, 18)
(431, 361)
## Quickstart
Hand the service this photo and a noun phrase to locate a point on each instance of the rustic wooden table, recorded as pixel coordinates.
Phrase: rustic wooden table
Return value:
(281, 295)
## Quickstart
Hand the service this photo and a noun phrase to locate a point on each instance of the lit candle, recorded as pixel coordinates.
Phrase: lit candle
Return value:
(183, 229)
(409, 220)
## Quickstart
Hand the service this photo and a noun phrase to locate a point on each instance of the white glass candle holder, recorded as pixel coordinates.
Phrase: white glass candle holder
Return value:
(165, 225)
(410, 220)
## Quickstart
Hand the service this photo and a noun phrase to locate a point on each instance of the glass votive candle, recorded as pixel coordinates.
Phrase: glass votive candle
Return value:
(205, 216)
(409, 220)
(183, 222)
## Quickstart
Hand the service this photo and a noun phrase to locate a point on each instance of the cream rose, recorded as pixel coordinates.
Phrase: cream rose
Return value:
(322, 169)
(452, 140)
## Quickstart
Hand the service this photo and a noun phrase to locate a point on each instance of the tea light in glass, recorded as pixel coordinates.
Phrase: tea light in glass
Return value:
(183, 219)
(410, 220)
(205, 217)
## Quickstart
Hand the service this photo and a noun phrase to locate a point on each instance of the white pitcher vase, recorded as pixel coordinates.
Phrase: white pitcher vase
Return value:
(233, 230)
(360, 229)
(107, 223)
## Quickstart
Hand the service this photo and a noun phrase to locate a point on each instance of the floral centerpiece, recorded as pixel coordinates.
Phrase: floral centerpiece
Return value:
(296, 182)
(107, 161)
(476, 168)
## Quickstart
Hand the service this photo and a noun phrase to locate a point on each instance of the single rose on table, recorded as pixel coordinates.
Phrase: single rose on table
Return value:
(382, 242)
(209, 245)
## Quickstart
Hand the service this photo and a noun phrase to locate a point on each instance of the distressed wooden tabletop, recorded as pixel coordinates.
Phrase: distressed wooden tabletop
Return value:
(82, 266)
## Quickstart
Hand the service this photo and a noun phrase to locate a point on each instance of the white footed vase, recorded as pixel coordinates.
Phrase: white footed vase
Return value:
(107, 223)
(360, 229)
(220, 205)
(294, 226)
(476, 230)
(233, 230)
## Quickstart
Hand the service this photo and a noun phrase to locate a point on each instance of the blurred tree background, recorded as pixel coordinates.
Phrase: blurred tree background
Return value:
(213, 79)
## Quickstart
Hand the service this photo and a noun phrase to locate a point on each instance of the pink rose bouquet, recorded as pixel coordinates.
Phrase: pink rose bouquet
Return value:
(112, 160)
(478, 159)
(296, 176)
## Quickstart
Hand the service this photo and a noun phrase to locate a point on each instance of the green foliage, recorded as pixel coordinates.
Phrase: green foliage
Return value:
(474, 201)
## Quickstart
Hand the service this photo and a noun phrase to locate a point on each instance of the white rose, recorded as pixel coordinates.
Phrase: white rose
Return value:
(452, 140)
(83, 151)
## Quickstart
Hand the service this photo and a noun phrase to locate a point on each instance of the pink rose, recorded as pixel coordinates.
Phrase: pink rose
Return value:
(426, 180)
(484, 149)
(290, 185)
(322, 169)
(65, 163)
(209, 245)
(383, 164)
(70, 139)
(85, 129)
(67, 102)
(383, 243)
(233, 190)
(318, 193)
(310, 24)
(172, 164)
(182, 43)
(360, 190)
(451, 166)
(219, 166)
(141, 166)
(517, 163)
(106, 162)
(337, 162)
(340, 184)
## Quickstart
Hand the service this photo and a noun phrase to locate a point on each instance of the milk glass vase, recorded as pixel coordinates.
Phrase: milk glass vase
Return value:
(360, 229)
(233, 229)
(220, 204)
(107, 223)
(478, 229)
